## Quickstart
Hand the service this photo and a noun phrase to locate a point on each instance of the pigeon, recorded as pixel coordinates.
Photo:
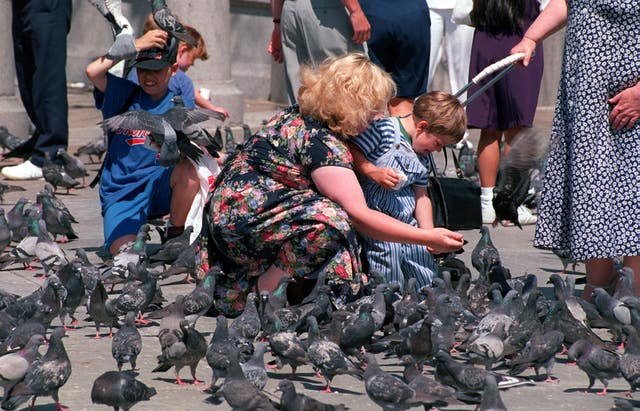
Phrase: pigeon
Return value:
(48, 190)
(248, 323)
(74, 167)
(219, 350)
(5, 231)
(71, 279)
(22, 333)
(25, 251)
(196, 303)
(171, 249)
(630, 361)
(7, 188)
(127, 342)
(136, 295)
(539, 352)
(491, 400)
(17, 221)
(167, 130)
(254, 369)
(92, 148)
(97, 309)
(185, 263)
(46, 300)
(53, 175)
(58, 220)
(123, 48)
(7, 298)
(185, 347)
(14, 366)
(611, 308)
(119, 389)
(51, 256)
(229, 141)
(468, 378)
(287, 348)
(292, 401)
(9, 141)
(406, 310)
(441, 395)
(45, 376)
(595, 362)
(129, 253)
(527, 149)
(240, 393)
(169, 23)
(327, 357)
(621, 404)
(89, 272)
(387, 390)
(484, 254)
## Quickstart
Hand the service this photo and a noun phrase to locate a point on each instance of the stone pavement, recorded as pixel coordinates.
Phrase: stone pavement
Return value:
(90, 358)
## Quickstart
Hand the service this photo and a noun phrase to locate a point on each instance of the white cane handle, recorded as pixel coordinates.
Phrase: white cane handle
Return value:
(498, 65)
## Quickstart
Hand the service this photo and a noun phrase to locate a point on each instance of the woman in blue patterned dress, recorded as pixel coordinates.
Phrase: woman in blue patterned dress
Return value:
(288, 202)
(591, 198)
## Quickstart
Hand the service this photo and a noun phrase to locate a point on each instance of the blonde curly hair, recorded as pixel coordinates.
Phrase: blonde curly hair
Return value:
(345, 93)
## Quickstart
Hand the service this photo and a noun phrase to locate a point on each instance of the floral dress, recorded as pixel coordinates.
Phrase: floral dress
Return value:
(266, 210)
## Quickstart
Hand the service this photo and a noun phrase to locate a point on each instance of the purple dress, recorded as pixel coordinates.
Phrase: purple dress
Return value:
(512, 100)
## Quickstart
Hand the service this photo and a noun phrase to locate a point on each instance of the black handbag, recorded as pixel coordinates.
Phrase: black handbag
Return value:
(455, 200)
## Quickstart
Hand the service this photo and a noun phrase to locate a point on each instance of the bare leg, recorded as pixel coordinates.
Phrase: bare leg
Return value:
(599, 274)
(184, 185)
(489, 156)
(269, 279)
(118, 242)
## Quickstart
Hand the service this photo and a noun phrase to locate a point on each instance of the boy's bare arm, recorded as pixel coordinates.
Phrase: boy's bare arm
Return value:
(97, 70)
(423, 212)
(205, 103)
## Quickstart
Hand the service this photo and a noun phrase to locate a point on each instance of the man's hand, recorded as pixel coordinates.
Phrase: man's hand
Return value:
(361, 26)
(275, 45)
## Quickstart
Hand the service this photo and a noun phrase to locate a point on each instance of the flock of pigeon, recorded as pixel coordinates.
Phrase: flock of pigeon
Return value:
(459, 341)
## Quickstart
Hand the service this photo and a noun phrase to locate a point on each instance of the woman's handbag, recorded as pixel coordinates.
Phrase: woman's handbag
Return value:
(455, 201)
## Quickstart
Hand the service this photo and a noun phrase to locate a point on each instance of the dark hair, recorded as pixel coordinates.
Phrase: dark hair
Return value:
(498, 16)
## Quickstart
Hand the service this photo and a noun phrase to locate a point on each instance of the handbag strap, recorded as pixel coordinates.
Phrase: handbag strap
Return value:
(456, 164)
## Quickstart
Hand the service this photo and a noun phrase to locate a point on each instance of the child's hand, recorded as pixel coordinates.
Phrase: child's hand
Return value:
(221, 110)
(151, 39)
(387, 177)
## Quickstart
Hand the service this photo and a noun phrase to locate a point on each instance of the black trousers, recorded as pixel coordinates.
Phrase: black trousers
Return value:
(40, 29)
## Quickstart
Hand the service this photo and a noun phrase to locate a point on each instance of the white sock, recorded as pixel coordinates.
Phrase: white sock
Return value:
(486, 193)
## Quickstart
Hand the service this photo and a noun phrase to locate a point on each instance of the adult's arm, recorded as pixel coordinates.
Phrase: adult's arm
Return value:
(550, 20)
(275, 44)
(97, 70)
(359, 22)
(341, 185)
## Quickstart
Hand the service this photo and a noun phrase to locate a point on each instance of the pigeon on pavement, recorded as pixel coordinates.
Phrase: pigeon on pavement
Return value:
(595, 362)
(44, 376)
(120, 389)
(14, 366)
(127, 343)
(293, 401)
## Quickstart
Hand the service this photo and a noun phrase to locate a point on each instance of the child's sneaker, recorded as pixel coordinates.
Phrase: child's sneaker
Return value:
(23, 171)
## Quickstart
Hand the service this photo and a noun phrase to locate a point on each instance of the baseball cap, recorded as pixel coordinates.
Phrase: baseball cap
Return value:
(157, 58)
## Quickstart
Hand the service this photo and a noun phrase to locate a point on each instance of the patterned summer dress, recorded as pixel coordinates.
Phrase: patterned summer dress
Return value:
(266, 210)
(591, 198)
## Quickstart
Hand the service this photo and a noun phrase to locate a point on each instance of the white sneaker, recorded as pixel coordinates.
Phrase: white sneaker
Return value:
(23, 171)
(525, 216)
